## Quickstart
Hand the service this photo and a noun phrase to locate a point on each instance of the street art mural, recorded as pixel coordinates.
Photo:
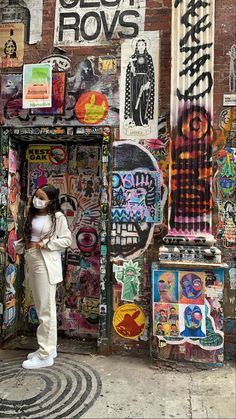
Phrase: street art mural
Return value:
(192, 321)
(224, 188)
(78, 170)
(98, 22)
(29, 12)
(81, 96)
(224, 182)
(139, 86)
(10, 187)
(190, 201)
(195, 331)
(137, 199)
(226, 135)
(80, 199)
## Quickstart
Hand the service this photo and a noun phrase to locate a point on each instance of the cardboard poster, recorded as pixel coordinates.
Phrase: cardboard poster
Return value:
(11, 44)
(37, 86)
(139, 86)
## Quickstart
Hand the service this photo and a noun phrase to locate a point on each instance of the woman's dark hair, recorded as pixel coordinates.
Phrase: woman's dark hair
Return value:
(136, 46)
(53, 207)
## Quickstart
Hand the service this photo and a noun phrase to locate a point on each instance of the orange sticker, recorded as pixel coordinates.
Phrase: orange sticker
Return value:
(129, 321)
(91, 108)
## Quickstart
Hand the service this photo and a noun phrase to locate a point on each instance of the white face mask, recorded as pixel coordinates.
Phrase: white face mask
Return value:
(39, 203)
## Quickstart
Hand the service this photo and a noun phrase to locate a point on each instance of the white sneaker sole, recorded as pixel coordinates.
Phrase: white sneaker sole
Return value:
(32, 354)
(30, 365)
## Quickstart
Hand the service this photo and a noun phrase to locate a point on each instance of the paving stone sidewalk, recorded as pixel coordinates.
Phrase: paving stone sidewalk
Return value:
(92, 386)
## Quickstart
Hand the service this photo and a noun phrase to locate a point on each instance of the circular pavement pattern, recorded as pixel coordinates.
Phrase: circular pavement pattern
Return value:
(66, 390)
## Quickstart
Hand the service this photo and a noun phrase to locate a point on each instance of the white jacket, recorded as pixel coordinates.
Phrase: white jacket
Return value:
(53, 247)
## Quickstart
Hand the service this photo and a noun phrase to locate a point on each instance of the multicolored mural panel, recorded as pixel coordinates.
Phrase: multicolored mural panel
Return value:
(187, 307)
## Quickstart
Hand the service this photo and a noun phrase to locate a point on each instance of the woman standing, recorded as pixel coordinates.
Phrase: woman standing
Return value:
(45, 236)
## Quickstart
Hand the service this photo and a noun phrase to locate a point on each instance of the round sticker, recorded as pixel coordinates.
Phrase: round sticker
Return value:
(57, 155)
(129, 321)
(91, 108)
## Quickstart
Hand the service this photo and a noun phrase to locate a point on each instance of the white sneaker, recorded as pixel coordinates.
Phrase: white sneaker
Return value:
(32, 354)
(37, 362)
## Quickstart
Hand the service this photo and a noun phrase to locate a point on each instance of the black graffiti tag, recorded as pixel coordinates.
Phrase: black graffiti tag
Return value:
(191, 65)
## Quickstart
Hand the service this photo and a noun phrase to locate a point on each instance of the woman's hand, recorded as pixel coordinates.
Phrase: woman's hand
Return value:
(39, 245)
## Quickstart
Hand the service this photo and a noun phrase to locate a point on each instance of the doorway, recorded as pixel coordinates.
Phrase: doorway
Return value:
(79, 167)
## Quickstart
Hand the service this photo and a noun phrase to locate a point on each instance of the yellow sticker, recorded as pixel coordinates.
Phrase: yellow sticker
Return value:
(129, 321)
(38, 153)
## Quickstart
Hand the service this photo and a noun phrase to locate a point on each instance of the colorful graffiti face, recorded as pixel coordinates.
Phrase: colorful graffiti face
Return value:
(193, 321)
(226, 160)
(193, 317)
(136, 196)
(135, 171)
(191, 286)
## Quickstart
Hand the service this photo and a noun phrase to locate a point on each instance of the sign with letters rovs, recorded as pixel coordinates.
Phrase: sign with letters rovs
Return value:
(96, 22)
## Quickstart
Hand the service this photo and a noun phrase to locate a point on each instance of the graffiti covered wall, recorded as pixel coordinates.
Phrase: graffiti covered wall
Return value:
(82, 96)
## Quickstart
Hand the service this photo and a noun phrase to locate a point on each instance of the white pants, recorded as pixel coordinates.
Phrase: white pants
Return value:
(44, 295)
